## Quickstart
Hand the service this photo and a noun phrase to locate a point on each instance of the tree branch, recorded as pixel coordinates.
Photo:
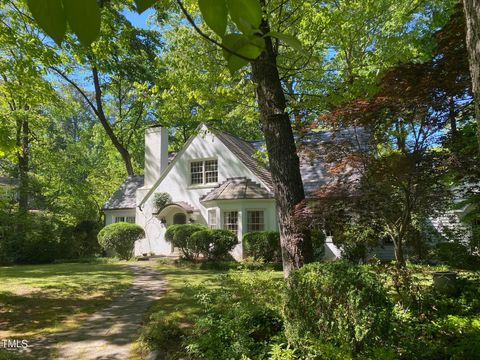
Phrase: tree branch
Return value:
(205, 36)
(80, 91)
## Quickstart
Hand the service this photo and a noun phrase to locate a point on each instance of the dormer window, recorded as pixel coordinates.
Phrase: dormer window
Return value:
(203, 172)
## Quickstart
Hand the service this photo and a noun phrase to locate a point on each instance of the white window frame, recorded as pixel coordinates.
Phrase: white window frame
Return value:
(204, 172)
(117, 219)
(212, 224)
(229, 225)
(248, 218)
(130, 219)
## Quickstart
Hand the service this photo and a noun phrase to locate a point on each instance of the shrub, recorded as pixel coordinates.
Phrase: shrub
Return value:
(240, 318)
(214, 244)
(335, 304)
(456, 254)
(160, 200)
(179, 237)
(263, 244)
(318, 243)
(85, 233)
(35, 239)
(161, 333)
(120, 237)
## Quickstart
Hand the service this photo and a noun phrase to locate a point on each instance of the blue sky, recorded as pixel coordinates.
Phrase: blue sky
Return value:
(138, 20)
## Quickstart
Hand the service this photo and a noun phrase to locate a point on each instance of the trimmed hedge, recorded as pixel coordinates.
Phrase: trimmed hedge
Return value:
(335, 304)
(214, 244)
(120, 237)
(195, 240)
(263, 244)
(179, 236)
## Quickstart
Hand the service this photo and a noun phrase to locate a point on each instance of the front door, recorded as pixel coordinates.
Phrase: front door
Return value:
(179, 218)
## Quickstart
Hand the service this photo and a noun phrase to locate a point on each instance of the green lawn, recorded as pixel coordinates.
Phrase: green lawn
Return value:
(41, 299)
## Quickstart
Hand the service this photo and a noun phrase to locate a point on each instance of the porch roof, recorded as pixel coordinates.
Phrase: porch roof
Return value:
(237, 188)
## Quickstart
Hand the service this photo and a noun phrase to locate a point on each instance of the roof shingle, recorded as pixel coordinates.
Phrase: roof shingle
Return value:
(124, 197)
(237, 188)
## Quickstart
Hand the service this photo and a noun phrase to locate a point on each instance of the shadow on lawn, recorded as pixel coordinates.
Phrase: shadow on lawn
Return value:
(21, 314)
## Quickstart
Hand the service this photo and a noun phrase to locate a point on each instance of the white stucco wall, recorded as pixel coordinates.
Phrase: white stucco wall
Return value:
(176, 182)
(110, 215)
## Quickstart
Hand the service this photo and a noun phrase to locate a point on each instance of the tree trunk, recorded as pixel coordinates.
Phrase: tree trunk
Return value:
(472, 18)
(22, 140)
(452, 117)
(106, 125)
(284, 163)
(399, 258)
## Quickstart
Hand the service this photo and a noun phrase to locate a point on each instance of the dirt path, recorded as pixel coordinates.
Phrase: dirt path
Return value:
(107, 334)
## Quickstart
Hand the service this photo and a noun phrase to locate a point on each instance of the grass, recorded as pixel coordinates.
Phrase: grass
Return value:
(42, 299)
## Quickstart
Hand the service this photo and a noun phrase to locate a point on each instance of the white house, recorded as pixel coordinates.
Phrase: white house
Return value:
(214, 180)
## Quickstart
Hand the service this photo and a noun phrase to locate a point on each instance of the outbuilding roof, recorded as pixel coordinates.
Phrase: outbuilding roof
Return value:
(124, 196)
(237, 188)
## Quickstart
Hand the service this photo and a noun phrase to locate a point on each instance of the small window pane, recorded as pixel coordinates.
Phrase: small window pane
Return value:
(255, 221)
(120, 219)
(212, 219)
(211, 171)
(130, 219)
(196, 171)
(230, 221)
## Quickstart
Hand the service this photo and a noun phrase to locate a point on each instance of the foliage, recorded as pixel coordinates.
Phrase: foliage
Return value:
(120, 237)
(355, 240)
(80, 241)
(335, 304)
(160, 200)
(161, 334)
(179, 237)
(241, 318)
(213, 244)
(40, 243)
(263, 245)
(456, 254)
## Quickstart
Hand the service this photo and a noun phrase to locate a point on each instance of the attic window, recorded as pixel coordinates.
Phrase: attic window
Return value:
(203, 172)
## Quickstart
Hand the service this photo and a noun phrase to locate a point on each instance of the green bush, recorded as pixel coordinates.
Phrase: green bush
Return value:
(33, 238)
(81, 241)
(213, 244)
(161, 334)
(335, 304)
(179, 237)
(263, 244)
(160, 200)
(120, 237)
(457, 255)
(240, 318)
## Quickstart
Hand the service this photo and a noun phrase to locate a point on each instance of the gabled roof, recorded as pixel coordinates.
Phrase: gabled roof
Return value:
(124, 197)
(245, 152)
(237, 188)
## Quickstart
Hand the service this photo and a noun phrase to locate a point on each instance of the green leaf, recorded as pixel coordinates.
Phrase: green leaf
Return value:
(215, 14)
(50, 16)
(84, 19)
(246, 14)
(290, 40)
(247, 46)
(143, 5)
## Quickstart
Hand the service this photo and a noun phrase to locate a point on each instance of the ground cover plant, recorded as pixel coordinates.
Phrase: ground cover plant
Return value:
(42, 299)
(251, 313)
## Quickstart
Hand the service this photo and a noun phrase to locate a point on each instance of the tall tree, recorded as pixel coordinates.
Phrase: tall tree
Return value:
(249, 40)
(472, 17)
